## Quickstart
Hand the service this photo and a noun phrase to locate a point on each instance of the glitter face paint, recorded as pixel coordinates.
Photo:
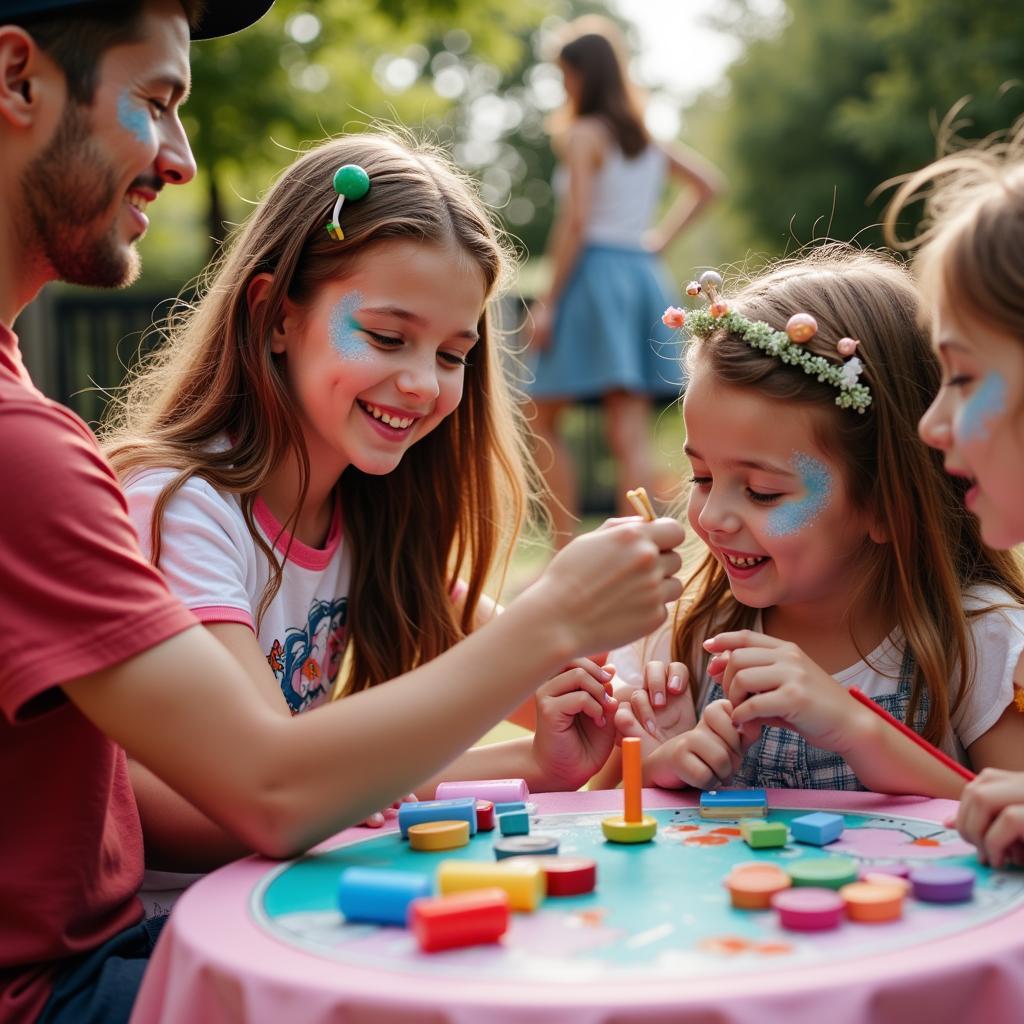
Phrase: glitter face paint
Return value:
(344, 329)
(794, 516)
(134, 118)
(986, 404)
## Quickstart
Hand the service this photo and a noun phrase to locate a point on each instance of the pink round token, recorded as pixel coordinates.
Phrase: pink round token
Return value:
(942, 885)
(809, 909)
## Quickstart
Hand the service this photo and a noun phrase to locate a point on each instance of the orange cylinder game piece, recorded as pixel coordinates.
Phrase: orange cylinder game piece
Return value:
(632, 779)
(461, 919)
(752, 887)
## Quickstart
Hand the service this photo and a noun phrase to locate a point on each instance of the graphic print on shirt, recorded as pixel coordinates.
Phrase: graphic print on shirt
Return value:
(307, 661)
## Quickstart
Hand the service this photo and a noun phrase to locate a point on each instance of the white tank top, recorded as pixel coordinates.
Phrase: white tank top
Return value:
(626, 195)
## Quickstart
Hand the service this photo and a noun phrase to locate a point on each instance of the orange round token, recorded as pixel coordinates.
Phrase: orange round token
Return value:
(439, 835)
(752, 887)
(871, 901)
(877, 878)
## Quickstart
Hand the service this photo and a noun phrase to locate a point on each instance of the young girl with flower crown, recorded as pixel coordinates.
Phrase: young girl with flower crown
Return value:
(837, 555)
(324, 460)
(970, 270)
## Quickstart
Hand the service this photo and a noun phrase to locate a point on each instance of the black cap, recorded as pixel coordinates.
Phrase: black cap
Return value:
(219, 17)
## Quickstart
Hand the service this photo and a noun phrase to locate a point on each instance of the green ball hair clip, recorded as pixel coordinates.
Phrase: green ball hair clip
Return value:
(350, 182)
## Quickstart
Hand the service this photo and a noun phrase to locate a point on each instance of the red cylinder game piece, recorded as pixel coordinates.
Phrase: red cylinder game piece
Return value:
(459, 919)
(567, 876)
(484, 816)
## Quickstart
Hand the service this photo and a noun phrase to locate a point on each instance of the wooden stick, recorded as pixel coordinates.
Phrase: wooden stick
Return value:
(945, 759)
(639, 500)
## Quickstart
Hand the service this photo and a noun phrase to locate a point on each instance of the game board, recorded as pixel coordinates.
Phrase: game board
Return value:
(659, 908)
(656, 942)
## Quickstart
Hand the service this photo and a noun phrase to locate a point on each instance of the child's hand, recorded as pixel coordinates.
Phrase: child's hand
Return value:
(664, 706)
(574, 733)
(991, 816)
(612, 585)
(772, 682)
(378, 818)
(705, 757)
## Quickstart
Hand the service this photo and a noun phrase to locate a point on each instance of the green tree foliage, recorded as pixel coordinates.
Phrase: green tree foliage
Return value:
(313, 69)
(847, 94)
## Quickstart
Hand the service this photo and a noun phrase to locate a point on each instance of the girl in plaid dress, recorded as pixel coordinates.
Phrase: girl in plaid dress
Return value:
(836, 553)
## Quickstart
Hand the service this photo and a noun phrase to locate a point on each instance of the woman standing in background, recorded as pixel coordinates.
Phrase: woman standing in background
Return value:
(597, 331)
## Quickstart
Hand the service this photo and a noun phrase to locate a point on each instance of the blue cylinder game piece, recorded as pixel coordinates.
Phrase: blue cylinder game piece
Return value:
(509, 805)
(379, 895)
(462, 808)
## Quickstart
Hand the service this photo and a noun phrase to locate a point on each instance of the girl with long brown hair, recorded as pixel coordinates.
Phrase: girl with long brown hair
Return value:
(324, 457)
(597, 332)
(837, 554)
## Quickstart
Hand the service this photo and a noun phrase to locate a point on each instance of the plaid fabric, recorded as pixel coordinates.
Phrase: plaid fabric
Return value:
(783, 759)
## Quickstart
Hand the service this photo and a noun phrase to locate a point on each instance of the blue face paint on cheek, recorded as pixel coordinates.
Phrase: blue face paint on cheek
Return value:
(797, 515)
(987, 403)
(345, 331)
(134, 119)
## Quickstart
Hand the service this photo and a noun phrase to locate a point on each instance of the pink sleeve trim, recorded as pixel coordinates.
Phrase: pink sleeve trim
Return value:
(222, 613)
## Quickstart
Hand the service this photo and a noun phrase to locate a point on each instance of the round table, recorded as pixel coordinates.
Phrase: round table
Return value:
(259, 941)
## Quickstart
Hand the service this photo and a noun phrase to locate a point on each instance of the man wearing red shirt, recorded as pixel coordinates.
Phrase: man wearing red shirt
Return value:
(97, 654)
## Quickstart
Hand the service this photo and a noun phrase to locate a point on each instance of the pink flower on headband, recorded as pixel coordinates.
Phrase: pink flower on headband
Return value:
(674, 317)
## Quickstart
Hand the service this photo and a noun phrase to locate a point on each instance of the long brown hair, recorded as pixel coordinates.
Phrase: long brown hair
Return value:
(934, 551)
(594, 50)
(453, 506)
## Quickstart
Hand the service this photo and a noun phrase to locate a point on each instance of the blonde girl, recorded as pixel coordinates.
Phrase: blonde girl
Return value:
(970, 271)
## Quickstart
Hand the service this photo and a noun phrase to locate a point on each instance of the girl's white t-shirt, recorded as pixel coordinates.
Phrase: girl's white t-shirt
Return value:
(212, 563)
(998, 635)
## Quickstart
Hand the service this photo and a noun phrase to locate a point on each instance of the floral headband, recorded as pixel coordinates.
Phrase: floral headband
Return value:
(785, 345)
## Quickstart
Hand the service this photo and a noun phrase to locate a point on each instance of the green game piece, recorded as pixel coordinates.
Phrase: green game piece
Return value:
(760, 835)
(825, 872)
(351, 181)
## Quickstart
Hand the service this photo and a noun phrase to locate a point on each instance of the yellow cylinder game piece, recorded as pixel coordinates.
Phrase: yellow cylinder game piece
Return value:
(618, 830)
(869, 901)
(439, 835)
(525, 884)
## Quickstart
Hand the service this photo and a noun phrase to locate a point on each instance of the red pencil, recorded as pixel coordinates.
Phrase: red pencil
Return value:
(955, 766)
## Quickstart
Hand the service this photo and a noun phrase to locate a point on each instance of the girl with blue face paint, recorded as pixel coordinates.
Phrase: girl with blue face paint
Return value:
(836, 555)
(325, 461)
(970, 270)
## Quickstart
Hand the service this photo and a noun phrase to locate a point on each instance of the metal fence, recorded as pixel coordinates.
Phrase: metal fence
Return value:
(78, 346)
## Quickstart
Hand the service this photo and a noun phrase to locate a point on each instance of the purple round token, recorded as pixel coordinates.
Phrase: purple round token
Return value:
(808, 909)
(942, 885)
(898, 870)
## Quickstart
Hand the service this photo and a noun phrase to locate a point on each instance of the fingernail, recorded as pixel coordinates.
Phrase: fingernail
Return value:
(651, 727)
(659, 699)
(606, 675)
(675, 684)
(709, 643)
(610, 700)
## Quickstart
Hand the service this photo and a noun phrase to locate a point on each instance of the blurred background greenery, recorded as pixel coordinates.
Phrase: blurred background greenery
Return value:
(807, 108)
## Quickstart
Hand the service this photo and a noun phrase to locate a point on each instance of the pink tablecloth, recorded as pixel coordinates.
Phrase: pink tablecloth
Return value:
(214, 965)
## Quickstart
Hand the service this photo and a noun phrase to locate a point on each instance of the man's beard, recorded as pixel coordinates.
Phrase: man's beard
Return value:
(67, 190)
